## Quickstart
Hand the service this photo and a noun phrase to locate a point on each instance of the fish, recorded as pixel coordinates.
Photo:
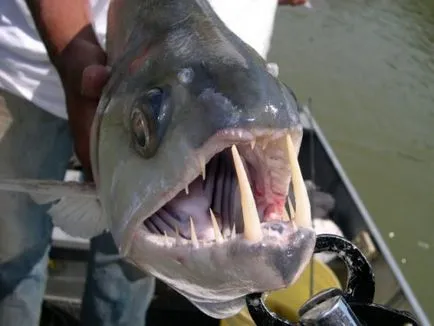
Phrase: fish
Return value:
(194, 151)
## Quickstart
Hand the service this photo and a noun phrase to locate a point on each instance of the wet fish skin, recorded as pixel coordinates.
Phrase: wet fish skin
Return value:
(184, 88)
(230, 88)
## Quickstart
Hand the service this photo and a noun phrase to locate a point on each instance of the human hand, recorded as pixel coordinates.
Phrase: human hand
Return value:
(83, 73)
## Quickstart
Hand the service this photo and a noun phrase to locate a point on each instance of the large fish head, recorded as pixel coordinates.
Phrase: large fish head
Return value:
(196, 149)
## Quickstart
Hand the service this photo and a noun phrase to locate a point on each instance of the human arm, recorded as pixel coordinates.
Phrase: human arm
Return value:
(66, 30)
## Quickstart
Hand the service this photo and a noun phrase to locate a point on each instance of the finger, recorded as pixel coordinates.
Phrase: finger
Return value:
(82, 151)
(93, 80)
(81, 112)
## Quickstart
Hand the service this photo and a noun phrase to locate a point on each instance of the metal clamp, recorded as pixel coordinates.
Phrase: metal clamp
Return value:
(353, 306)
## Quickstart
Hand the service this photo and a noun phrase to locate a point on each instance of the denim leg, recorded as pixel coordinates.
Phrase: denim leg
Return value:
(116, 293)
(22, 285)
(33, 144)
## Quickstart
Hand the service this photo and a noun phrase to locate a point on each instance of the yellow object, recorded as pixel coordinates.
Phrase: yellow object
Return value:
(51, 264)
(287, 302)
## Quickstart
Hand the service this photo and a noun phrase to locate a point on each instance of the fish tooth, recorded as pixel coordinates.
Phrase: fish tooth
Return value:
(193, 234)
(202, 167)
(291, 209)
(302, 215)
(265, 144)
(252, 224)
(186, 189)
(218, 235)
(166, 239)
(234, 232)
(285, 216)
(252, 144)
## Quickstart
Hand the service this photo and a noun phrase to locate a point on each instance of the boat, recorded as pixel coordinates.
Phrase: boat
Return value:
(319, 163)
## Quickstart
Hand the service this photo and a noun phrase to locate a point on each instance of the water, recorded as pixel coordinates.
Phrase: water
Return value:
(369, 68)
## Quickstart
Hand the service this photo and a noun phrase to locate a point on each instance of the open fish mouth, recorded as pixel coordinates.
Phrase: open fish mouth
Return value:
(237, 191)
(225, 232)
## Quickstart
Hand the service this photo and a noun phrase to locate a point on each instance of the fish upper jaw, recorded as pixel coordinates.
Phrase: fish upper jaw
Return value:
(263, 152)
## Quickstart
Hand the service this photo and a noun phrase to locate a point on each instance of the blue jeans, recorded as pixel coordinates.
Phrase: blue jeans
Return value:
(35, 144)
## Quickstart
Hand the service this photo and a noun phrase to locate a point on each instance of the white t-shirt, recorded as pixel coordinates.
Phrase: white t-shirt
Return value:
(26, 71)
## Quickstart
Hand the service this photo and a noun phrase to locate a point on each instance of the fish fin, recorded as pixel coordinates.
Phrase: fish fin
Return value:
(77, 210)
(42, 199)
(51, 189)
(79, 216)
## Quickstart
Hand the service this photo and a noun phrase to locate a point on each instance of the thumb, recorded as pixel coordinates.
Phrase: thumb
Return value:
(93, 80)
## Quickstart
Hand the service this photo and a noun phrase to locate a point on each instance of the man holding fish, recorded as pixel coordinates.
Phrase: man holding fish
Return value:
(187, 107)
(36, 142)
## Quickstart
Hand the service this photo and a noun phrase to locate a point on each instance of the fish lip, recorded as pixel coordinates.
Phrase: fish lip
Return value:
(283, 263)
(218, 142)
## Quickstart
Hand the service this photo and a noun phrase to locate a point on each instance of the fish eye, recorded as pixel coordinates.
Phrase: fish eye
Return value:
(155, 98)
(144, 121)
(149, 118)
(140, 128)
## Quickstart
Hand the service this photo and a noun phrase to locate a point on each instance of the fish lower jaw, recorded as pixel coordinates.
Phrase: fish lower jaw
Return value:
(275, 232)
(213, 275)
